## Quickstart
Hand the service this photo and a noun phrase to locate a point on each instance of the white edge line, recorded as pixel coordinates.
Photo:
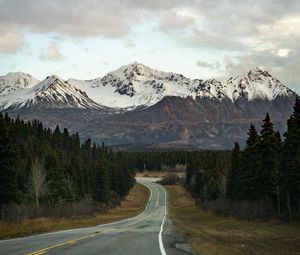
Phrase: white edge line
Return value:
(102, 225)
(161, 244)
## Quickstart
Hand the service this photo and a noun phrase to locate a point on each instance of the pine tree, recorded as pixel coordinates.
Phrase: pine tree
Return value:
(290, 163)
(8, 177)
(101, 184)
(233, 174)
(200, 185)
(269, 150)
(249, 165)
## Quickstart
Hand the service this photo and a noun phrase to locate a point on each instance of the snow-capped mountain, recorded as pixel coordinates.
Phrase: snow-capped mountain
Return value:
(12, 82)
(51, 92)
(150, 106)
(137, 85)
(256, 84)
(133, 86)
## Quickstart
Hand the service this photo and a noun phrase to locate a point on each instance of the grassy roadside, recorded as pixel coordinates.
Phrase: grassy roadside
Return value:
(134, 204)
(213, 235)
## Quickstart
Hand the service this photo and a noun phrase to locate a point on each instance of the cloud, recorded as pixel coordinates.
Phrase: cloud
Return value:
(52, 53)
(75, 18)
(11, 39)
(250, 32)
(173, 22)
(208, 65)
(232, 25)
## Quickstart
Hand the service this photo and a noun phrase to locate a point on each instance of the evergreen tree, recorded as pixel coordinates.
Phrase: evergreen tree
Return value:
(233, 173)
(8, 177)
(266, 183)
(101, 185)
(290, 163)
(249, 167)
(200, 185)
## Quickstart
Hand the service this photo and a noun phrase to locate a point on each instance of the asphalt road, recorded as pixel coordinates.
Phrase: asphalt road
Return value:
(149, 233)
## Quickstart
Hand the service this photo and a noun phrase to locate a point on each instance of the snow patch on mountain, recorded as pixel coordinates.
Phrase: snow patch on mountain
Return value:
(255, 84)
(15, 81)
(137, 85)
(52, 92)
(132, 86)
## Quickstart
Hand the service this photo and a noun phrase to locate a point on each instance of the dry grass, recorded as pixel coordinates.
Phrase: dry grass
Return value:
(133, 205)
(213, 235)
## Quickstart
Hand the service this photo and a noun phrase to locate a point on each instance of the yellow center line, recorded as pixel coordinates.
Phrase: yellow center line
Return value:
(42, 251)
(72, 241)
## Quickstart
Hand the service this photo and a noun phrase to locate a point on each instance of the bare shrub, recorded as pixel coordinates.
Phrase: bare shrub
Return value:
(13, 212)
(170, 179)
(246, 210)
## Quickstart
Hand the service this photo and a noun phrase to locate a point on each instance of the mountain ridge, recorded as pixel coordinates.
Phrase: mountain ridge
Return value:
(51, 92)
(135, 85)
(139, 106)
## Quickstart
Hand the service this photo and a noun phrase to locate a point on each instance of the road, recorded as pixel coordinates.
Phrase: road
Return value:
(148, 233)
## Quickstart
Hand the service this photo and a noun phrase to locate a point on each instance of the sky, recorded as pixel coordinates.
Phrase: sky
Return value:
(85, 39)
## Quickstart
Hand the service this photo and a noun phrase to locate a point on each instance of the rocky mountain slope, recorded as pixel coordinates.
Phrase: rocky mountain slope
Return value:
(136, 85)
(20, 90)
(138, 106)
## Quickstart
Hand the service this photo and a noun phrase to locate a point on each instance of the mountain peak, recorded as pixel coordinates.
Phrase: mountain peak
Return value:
(14, 82)
(18, 79)
(136, 85)
(256, 84)
(258, 72)
(133, 70)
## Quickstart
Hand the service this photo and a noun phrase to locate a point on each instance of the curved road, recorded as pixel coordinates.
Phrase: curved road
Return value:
(146, 234)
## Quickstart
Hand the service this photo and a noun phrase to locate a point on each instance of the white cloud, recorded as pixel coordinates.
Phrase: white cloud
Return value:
(11, 39)
(283, 52)
(52, 52)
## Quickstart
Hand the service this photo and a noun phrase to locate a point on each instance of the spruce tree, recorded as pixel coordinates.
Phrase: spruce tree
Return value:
(270, 153)
(101, 184)
(249, 165)
(232, 185)
(290, 163)
(8, 177)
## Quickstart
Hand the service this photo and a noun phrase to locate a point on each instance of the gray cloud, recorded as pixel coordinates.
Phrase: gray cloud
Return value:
(171, 22)
(204, 64)
(252, 32)
(71, 17)
(208, 65)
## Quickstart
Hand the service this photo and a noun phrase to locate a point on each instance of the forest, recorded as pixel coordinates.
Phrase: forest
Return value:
(263, 179)
(47, 170)
(50, 169)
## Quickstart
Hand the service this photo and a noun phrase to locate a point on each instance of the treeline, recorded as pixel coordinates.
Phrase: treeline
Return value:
(206, 174)
(263, 180)
(157, 160)
(52, 167)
